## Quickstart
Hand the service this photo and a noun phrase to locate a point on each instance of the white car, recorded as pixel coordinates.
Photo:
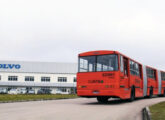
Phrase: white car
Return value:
(3, 90)
(53, 92)
(22, 91)
(12, 91)
(58, 92)
(61, 92)
(31, 91)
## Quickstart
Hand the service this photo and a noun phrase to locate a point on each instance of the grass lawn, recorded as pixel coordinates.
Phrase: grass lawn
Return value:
(158, 111)
(10, 98)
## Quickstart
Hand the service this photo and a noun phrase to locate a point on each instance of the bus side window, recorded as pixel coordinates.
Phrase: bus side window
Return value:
(140, 71)
(163, 76)
(121, 64)
(151, 73)
(125, 66)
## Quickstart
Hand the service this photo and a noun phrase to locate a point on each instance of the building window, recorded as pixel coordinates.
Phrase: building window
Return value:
(29, 78)
(74, 79)
(45, 79)
(12, 78)
(45, 88)
(62, 79)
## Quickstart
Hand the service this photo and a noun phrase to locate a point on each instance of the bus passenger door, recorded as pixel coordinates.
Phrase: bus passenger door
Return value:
(124, 72)
(141, 79)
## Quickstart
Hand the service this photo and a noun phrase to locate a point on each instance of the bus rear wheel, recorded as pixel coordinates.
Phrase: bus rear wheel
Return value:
(132, 96)
(151, 93)
(164, 93)
(102, 99)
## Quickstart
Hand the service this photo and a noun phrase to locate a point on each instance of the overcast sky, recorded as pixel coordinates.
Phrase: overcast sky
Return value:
(57, 30)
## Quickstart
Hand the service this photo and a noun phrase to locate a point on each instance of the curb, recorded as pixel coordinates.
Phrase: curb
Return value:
(146, 113)
(34, 100)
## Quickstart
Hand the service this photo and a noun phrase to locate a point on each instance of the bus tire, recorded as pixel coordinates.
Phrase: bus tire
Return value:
(164, 93)
(151, 92)
(101, 99)
(132, 95)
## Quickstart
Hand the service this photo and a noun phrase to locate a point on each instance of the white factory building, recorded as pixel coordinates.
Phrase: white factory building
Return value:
(60, 78)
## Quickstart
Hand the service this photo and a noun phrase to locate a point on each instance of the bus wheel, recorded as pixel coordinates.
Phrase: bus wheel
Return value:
(164, 93)
(151, 92)
(102, 99)
(132, 96)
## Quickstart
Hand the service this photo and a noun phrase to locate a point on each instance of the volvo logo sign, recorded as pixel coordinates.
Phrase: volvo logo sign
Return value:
(10, 66)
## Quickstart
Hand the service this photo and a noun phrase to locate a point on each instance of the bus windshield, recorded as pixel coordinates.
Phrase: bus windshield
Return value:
(98, 63)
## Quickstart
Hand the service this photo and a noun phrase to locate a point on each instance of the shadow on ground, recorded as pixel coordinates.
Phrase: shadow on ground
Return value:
(116, 101)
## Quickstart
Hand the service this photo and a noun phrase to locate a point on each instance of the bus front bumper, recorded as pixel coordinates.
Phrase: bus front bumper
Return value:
(119, 93)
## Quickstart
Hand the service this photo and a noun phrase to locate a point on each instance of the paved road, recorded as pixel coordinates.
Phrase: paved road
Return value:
(75, 109)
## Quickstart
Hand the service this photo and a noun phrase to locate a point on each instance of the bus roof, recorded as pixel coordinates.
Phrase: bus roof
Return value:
(98, 52)
(104, 52)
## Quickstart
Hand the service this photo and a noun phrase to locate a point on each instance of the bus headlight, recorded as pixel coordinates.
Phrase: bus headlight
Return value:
(83, 86)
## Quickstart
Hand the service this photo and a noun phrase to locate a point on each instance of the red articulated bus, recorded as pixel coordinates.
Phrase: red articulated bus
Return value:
(109, 74)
